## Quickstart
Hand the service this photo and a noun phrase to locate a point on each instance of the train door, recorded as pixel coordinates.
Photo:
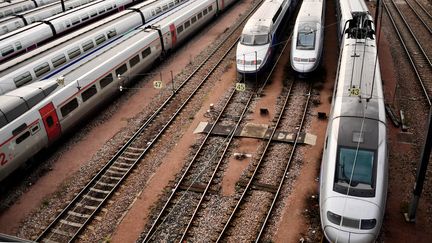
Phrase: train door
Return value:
(51, 121)
(173, 34)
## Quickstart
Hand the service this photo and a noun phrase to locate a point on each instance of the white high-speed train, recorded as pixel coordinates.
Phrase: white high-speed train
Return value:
(33, 117)
(19, 20)
(354, 169)
(14, 7)
(31, 36)
(308, 36)
(260, 34)
(51, 58)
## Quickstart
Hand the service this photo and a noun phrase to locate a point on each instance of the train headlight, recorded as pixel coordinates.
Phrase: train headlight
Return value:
(367, 224)
(334, 218)
(297, 59)
(256, 62)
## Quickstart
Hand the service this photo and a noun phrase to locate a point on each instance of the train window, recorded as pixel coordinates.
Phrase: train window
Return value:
(58, 60)
(100, 39)
(5, 29)
(72, 53)
(17, 10)
(193, 20)
(105, 81)
(93, 14)
(69, 107)
(199, 15)
(109, 8)
(35, 129)
(111, 33)
(115, 6)
(134, 60)
(88, 93)
(158, 10)
(179, 29)
(153, 13)
(177, 1)
(164, 7)
(23, 137)
(210, 8)
(23, 79)
(87, 45)
(41, 69)
(49, 121)
(75, 21)
(171, 4)
(186, 24)
(8, 12)
(101, 11)
(18, 45)
(19, 129)
(1, 15)
(17, 24)
(122, 69)
(146, 52)
(205, 12)
(7, 50)
(84, 17)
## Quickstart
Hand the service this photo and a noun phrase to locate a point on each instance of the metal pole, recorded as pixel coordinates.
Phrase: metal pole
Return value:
(421, 174)
(377, 10)
(172, 81)
(244, 68)
(256, 68)
(63, 5)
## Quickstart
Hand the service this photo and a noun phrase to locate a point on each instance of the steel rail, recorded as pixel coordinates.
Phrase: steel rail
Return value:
(407, 51)
(287, 167)
(418, 16)
(106, 167)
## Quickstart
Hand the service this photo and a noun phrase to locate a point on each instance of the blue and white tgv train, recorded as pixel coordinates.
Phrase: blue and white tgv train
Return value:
(308, 36)
(354, 168)
(260, 35)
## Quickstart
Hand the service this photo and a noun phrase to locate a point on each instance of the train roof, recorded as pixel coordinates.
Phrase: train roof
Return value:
(261, 20)
(311, 10)
(361, 78)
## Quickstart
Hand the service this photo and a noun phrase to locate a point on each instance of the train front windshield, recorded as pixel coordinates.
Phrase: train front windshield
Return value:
(306, 36)
(254, 40)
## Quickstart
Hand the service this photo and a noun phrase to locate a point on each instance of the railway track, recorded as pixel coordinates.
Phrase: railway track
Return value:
(418, 57)
(261, 174)
(76, 216)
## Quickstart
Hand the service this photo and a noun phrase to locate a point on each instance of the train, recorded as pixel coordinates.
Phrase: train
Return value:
(308, 37)
(354, 167)
(48, 60)
(14, 7)
(260, 35)
(19, 20)
(32, 36)
(34, 116)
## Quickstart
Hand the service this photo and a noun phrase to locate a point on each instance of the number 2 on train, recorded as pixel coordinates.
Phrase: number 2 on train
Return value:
(3, 160)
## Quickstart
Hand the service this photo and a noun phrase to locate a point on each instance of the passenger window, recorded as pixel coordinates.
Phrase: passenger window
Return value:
(210, 8)
(19, 129)
(101, 11)
(58, 60)
(8, 12)
(75, 21)
(88, 93)
(87, 45)
(158, 10)
(146, 52)
(186, 24)
(179, 29)
(165, 7)
(109, 8)
(50, 121)
(171, 4)
(69, 107)
(35, 129)
(5, 29)
(100, 39)
(18, 45)
(105, 81)
(22, 137)
(134, 60)
(122, 69)
(84, 17)
(23, 79)
(193, 20)
(199, 15)
(93, 14)
(7, 50)
(205, 11)
(72, 53)
(41, 69)
(111, 33)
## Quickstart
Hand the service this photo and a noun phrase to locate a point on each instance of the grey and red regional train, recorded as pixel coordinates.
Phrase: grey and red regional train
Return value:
(34, 116)
(354, 168)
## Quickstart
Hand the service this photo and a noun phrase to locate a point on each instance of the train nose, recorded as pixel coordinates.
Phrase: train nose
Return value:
(335, 235)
